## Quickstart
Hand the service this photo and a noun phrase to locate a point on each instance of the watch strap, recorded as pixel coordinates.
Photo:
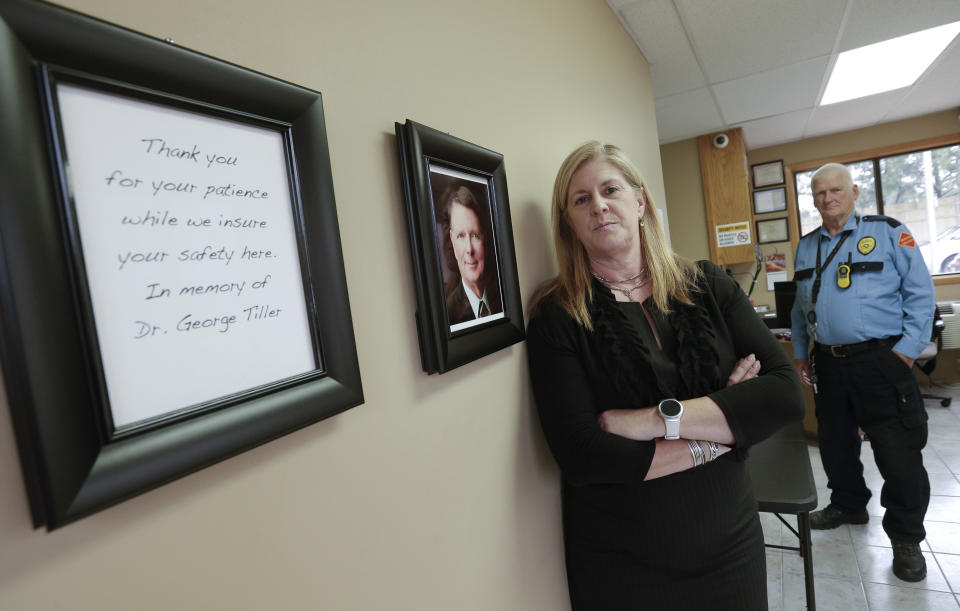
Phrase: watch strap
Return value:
(673, 429)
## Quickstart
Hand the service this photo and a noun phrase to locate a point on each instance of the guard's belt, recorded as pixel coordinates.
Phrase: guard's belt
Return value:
(842, 351)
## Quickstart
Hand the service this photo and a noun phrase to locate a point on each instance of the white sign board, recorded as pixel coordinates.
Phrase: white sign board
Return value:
(190, 251)
(733, 234)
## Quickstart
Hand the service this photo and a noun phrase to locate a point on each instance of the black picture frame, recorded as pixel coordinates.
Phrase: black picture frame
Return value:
(770, 200)
(773, 230)
(74, 462)
(767, 174)
(449, 334)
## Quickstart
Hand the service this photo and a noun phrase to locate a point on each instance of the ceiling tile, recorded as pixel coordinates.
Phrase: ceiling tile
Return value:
(937, 90)
(775, 130)
(686, 115)
(852, 114)
(772, 92)
(875, 20)
(764, 57)
(735, 38)
(617, 5)
(656, 27)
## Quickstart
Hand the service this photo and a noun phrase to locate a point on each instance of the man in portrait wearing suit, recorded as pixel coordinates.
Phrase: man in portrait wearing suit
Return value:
(473, 292)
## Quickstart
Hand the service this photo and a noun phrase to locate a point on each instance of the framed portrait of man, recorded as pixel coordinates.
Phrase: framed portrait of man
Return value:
(461, 244)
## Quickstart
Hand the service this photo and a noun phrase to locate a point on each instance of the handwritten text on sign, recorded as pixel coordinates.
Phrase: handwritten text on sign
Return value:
(190, 252)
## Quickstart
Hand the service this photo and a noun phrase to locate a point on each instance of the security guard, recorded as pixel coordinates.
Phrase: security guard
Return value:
(866, 301)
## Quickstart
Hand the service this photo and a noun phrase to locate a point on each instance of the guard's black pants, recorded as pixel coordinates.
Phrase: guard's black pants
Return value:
(876, 391)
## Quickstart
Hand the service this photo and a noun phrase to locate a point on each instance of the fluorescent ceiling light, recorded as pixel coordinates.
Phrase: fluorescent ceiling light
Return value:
(886, 65)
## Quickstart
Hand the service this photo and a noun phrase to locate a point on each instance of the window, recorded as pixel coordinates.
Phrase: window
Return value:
(920, 189)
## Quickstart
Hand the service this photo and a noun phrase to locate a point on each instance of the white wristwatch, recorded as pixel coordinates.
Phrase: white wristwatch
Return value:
(671, 411)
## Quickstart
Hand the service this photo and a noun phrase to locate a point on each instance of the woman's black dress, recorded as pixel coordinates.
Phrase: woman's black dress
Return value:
(690, 540)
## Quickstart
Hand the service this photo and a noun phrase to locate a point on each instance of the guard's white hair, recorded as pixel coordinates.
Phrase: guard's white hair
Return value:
(833, 167)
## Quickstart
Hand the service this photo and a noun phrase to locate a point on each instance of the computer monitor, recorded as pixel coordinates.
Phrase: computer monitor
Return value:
(784, 293)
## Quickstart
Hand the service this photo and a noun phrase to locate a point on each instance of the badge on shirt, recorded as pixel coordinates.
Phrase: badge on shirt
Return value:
(866, 245)
(906, 240)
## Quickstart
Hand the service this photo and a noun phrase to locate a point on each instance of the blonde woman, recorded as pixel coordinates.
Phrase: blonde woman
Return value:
(652, 376)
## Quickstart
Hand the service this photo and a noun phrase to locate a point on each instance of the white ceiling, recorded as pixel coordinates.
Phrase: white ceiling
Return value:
(763, 64)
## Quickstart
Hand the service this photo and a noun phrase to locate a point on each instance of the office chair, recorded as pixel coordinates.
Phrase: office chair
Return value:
(927, 361)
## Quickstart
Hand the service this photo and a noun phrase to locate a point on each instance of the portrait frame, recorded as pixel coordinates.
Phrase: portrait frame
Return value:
(773, 230)
(767, 174)
(75, 460)
(427, 155)
(770, 200)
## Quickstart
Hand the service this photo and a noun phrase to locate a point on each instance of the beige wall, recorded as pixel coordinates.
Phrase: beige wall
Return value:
(887, 134)
(684, 186)
(438, 492)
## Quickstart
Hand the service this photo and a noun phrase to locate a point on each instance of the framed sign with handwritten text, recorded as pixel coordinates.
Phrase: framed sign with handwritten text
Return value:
(172, 289)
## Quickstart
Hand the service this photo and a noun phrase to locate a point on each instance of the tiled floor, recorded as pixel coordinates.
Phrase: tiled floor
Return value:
(852, 564)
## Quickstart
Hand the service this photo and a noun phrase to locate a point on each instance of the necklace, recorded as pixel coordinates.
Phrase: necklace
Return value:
(627, 292)
(605, 281)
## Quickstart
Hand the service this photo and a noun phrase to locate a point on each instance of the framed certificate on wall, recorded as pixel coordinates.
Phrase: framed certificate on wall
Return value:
(770, 200)
(772, 230)
(769, 174)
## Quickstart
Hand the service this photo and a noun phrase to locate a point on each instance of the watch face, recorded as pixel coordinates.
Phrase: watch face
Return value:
(670, 408)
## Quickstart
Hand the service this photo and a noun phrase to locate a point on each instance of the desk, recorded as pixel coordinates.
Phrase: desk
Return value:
(783, 483)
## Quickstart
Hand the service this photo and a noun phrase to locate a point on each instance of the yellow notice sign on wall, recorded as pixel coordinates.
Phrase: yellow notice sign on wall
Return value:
(733, 234)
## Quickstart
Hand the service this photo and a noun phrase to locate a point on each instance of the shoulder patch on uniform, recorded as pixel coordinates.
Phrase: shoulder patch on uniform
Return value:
(871, 218)
(906, 240)
(866, 245)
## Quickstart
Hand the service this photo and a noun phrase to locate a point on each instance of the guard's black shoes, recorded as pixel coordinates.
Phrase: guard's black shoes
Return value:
(832, 516)
(908, 562)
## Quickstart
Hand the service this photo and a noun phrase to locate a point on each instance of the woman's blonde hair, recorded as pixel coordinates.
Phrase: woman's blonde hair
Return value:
(671, 277)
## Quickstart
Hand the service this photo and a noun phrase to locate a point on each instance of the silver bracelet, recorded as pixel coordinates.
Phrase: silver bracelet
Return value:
(697, 452)
(714, 449)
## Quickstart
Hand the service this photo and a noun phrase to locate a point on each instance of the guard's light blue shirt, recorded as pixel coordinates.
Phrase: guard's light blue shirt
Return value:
(897, 299)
